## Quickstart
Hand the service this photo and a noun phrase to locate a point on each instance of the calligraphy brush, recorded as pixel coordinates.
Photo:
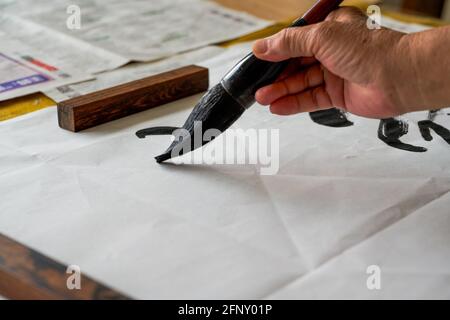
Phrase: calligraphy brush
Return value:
(223, 104)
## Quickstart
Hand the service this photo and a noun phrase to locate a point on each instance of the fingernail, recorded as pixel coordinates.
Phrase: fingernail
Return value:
(260, 46)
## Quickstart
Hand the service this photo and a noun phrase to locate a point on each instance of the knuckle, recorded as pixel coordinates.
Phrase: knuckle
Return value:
(288, 40)
(325, 30)
(347, 14)
(315, 96)
(322, 36)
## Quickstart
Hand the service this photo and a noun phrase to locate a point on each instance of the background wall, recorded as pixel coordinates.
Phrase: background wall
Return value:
(436, 8)
(447, 11)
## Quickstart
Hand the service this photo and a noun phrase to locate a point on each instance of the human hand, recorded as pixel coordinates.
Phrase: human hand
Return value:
(339, 63)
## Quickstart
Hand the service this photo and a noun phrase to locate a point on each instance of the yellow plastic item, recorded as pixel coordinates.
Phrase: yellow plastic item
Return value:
(16, 107)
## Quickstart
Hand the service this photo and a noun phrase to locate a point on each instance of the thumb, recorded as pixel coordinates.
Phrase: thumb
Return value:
(289, 43)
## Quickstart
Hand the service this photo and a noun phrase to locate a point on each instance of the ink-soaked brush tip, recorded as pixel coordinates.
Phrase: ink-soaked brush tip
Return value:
(140, 135)
(163, 157)
(216, 110)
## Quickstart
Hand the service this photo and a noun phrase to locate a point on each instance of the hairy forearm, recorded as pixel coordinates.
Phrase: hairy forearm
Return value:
(428, 62)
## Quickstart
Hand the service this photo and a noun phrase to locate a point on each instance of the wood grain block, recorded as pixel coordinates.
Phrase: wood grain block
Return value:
(103, 106)
(27, 274)
(281, 10)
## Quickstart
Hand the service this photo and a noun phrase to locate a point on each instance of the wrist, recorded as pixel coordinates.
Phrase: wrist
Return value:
(403, 75)
(426, 60)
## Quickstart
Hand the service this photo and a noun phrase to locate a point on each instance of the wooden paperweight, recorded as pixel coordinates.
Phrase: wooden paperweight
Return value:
(110, 104)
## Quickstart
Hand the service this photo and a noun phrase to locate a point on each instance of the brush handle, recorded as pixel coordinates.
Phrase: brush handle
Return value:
(251, 73)
(319, 11)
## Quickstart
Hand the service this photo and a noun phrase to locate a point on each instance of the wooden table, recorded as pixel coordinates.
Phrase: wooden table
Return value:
(430, 7)
(279, 10)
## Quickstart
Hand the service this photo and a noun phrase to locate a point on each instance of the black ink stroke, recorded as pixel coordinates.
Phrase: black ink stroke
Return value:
(156, 131)
(334, 118)
(426, 125)
(391, 130)
(441, 131)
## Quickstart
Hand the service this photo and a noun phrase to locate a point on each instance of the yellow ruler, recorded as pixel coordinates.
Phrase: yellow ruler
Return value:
(23, 105)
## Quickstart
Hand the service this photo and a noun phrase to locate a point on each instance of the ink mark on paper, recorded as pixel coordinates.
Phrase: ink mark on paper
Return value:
(156, 131)
(334, 118)
(426, 125)
(391, 130)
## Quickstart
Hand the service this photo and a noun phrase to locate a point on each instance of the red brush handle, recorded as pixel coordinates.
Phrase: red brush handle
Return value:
(320, 10)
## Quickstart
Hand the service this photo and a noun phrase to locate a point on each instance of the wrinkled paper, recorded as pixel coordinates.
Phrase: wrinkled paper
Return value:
(140, 30)
(342, 201)
(22, 73)
(61, 50)
(132, 72)
(110, 34)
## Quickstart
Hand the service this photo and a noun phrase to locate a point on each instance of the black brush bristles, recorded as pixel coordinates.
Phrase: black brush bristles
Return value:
(215, 110)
